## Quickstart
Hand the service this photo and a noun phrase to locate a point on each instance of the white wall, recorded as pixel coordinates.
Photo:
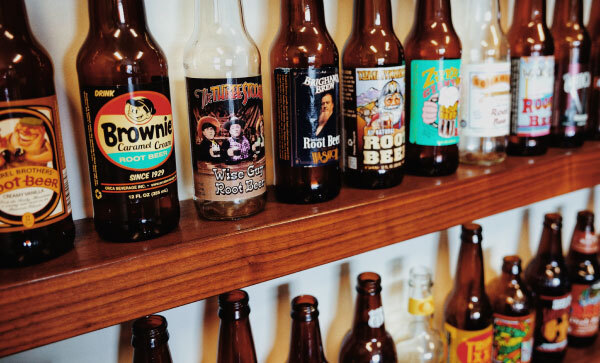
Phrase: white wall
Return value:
(61, 25)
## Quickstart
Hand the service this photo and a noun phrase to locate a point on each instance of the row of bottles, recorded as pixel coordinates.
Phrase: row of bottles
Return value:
(516, 318)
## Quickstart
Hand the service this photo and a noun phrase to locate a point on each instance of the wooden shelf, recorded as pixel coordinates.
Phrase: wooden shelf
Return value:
(584, 355)
(99, 284)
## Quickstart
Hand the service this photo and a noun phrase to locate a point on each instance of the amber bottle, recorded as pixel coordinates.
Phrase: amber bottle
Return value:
(373, 97)
(433, 53)
(305, 344)
(593, 130)
(235, 336)
(128, 122)
(29, 111)
(468, 312)
(532, 79)
(368, 341)
(584, 273)
(548, 279)
(150, 340)
(514, 314)
(306, 106)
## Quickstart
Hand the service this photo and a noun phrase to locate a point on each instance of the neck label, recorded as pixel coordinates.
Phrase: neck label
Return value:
(376, 318)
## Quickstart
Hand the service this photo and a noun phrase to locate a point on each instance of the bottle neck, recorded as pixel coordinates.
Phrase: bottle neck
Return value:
(567, 13)
(551, 242)
(469, 274)
(433, 10)
(485, 11)
(108, 15)
(298, 13)
(372, 14)
(215, 15)
(527, 11)
(13, 19)
(368, 316)
(306, 345)
(235, 341)
(158, 354)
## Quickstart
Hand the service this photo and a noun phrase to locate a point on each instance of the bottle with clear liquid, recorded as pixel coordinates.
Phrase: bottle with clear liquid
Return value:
(485, 112)
(424, 343)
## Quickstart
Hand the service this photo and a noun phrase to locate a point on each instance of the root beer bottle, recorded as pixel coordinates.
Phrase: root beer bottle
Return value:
(306, 345)
(584, 272)
(150, 340)
(433, 53)
(235, 336)
(548, 279)
(593, 129)
(468, 313)
(306, 107)
(532, 79)
(35, 207)
(572, 52)
(374, 98)
(128, 122)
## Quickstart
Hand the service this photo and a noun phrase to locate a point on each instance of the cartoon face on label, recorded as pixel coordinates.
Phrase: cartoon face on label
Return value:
(390, 105)
(139, 110)
(376, 317)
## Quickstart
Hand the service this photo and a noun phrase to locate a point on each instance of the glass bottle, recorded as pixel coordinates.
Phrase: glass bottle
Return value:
(224, 87)
(485, 91)
(235, 336)
(305, 344)
(150, 340)
(593, 130)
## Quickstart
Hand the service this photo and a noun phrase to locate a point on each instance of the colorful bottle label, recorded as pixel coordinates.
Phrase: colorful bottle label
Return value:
(585, 310)
(574, 87)
(434, 102)
(33, 175)
(468, 346)
(486, 101)
(553, 316)
(513, 338)
(307, 107)
(532, 84)
(421, 307)
(228, 137)
(374, 117)
(130, 140)
(584, 242)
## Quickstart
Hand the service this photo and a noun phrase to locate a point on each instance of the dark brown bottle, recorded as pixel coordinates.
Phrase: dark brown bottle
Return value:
(235, 336)
(433, 53)
(514, 314)
(150, 340)
(31, 151)
(584, 273)
(548, 279)
(572, 54)
(305, 344)
(374, 97)
(129, 124)
(593, 131)
(532, 79)
(368, 341)
(306, 106)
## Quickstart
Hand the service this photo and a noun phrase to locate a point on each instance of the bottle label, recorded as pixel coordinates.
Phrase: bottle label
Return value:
(33, 175)
(130, 140)
(227, 129)
(513, 338)
(374, 117)
(466, 346)
(532, 84)
(376, 317)
(584, 242)
(585, 310)
(486, 104)
(554, 323)
(421, 307)
(574, 87)
(434, 102)
(308, 108)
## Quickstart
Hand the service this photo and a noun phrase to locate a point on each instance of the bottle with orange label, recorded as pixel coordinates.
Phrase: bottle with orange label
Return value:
(514, 315)
(468, 315)
(584, 272)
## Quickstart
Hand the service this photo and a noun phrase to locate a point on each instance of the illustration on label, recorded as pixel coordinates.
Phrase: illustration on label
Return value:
(513, 339)
(584, 242)
(421, 307)
(575, 84)
(468, 346)
(33, 180)
(585, 310)
(434, 102)
(374, 116)
(554, 321)
(486, 101)
(227, 126)
(532, 83)
(308, 108)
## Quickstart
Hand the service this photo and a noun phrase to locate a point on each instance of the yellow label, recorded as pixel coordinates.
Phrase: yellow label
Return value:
(421, 307)
(468, 346)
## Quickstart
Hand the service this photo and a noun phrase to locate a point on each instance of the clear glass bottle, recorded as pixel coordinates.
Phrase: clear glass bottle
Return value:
(485, 111)
(424, 343)
(222, 69)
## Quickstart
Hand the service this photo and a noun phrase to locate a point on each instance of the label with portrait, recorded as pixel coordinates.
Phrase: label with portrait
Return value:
(228, 137)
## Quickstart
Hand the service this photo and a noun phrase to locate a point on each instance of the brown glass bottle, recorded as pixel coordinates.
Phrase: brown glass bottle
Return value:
(368, 341)
(593, 130)
(584, 273)
(468, 315)
(532, 79)
(235, 336)
(548, 279)
(305, 344)
(306, 107)
(432, 125)
(30, 139)
(514, 314)
(128, 122)
(150, 340)
(373, 97)
(572, 52)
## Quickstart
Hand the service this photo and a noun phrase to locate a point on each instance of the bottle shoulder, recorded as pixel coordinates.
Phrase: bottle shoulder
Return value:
(433, 41)
(372, 50)
(302, 49)
(533, 39)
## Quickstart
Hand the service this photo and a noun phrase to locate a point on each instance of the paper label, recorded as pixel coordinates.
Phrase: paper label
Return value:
(584, 242)
(553, 313)
(468, 346)
(573, 91)
(376, 317)
(513, 338)
(421, 307)
(585, 310)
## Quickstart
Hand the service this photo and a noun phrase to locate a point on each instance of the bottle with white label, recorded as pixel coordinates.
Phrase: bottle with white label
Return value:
(485, 91)
(224, 87)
